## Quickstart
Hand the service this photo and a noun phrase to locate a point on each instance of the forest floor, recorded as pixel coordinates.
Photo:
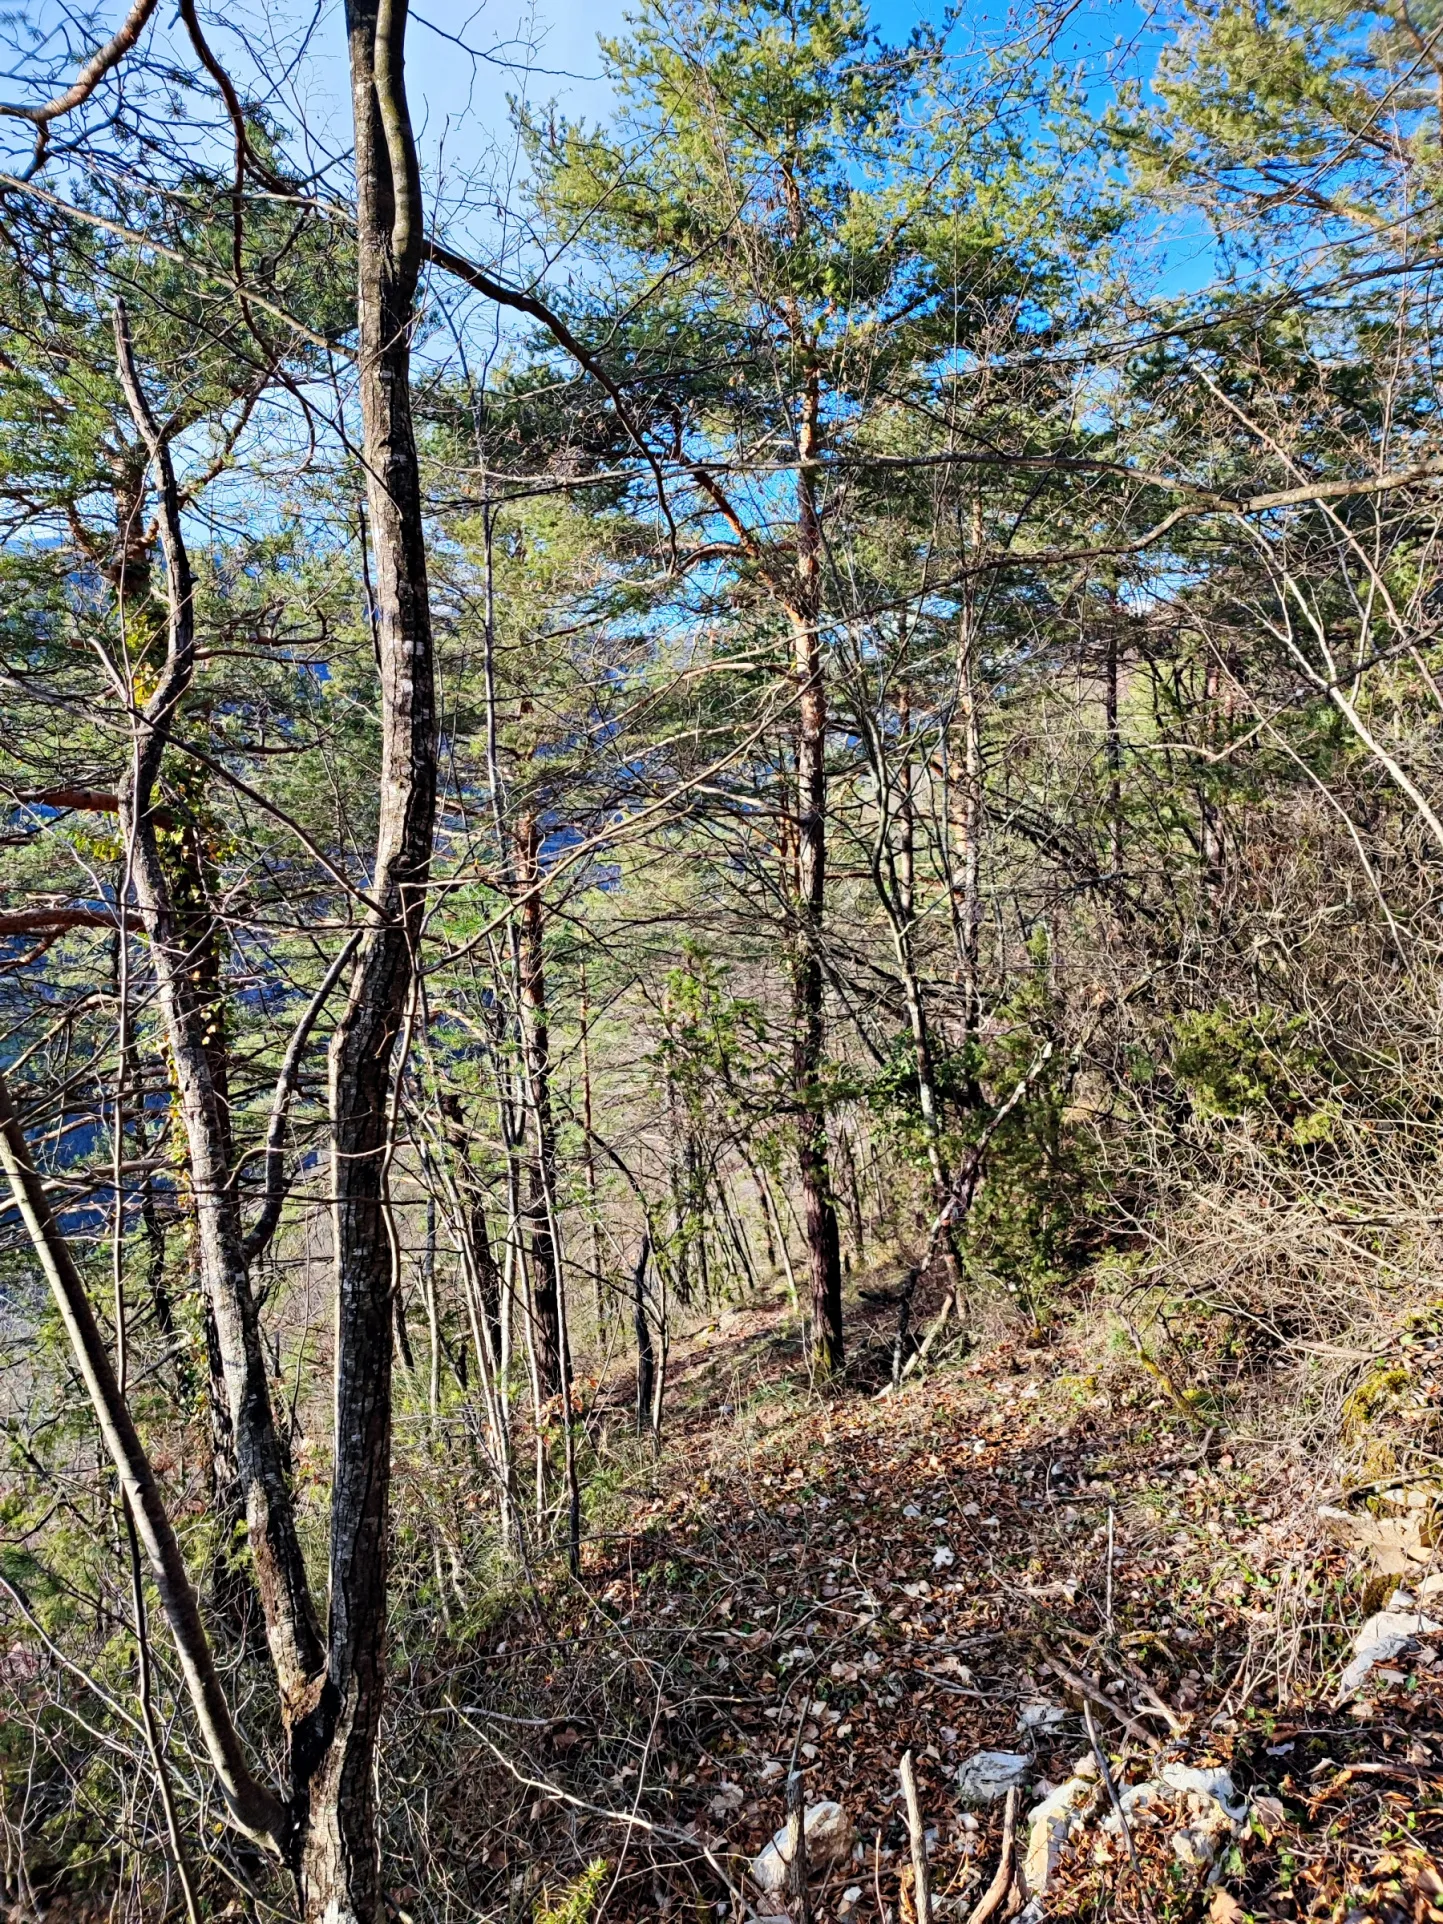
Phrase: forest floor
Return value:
(832, 1580)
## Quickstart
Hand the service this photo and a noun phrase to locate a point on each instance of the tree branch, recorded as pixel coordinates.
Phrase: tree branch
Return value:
(254, 1807)
(276, 1184)
(522, 303)
(85, 82)
(52, 921)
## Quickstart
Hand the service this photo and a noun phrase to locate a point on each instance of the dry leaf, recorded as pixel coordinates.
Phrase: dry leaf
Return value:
(1225, 1908)
(1270, 1814)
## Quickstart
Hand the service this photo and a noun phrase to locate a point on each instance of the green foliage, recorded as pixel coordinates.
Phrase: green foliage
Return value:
(1259, 1065)
(1035, 1219)
(892, 1091)
(577, 1902)
(715, 1049)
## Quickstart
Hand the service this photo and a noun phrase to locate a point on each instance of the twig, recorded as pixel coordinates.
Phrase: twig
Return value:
(1176, 1723)
(1098, 1753)
(1089, 1688)
(632, 1819)
(1001, 1883)
(797, 1846)
(275, 1171)
(922, 1880)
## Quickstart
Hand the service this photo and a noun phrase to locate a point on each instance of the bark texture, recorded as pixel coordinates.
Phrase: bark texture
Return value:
(824, 1253)
(541, 1182)
(339, 1866)
(187, 993)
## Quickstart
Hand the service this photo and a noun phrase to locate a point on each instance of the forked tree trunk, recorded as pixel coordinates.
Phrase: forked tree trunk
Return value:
(339, 1859)
(331, 1694)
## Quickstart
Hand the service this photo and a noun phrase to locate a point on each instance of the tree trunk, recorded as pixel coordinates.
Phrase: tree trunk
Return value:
(545, 1287)
(824, 1254)
(199, 940)
(1114, 762)
(965, 829)
(253, 1806)
(340, 1866)
(331, 1694)
(903, 917)
(187, 1002)
(478, 1237)
(589, 1162)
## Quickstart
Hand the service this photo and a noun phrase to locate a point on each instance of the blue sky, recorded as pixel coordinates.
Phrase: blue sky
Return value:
(464, 60)
(564, 34)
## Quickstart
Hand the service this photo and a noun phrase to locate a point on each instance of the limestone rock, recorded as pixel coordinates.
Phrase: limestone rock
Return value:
(1143, 1805)
(1212, 1784)
(828, 1831)
(1042, 1717)
(990, 1774)
(1049, 1827)
(1213, 1814)
(1380, 1639)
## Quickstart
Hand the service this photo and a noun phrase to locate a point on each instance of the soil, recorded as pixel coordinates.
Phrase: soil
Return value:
(826, 1580)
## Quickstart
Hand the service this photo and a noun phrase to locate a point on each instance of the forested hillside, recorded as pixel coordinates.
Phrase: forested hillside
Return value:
(721, 1044)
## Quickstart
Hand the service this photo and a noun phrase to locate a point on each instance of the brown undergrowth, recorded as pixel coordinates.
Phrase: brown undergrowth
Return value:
(830, 1579)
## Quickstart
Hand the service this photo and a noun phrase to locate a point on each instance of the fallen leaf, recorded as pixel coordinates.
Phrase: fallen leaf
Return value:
(1270, 1814)
(1225, 1908)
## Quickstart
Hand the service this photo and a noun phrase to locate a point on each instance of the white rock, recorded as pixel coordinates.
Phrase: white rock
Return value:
(1380, 1638)
(1140, 1806)
(1048, 1829)
(1041, 1716)
(1205, 1799)
(942, 1558)
(990, 1774)
(829, 1840)
(1194, 1848)
(1212, 1785)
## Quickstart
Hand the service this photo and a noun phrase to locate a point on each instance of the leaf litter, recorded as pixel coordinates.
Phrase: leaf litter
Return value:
(972, 1565)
